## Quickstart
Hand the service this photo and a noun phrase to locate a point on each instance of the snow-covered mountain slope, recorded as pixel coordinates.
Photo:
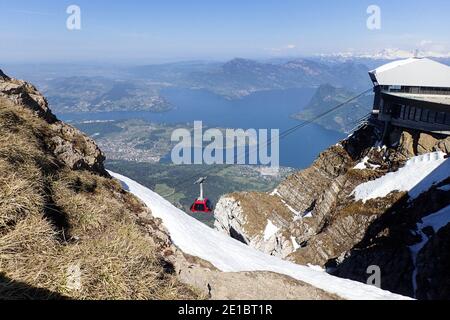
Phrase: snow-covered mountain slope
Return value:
(229, 255)
(417, 176)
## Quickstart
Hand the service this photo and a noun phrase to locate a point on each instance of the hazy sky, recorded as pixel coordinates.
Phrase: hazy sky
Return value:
(156, 31)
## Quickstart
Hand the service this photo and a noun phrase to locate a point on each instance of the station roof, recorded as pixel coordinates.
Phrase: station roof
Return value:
(413, 72)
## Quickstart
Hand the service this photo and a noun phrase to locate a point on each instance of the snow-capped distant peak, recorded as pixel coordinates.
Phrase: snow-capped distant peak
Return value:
(388, 54)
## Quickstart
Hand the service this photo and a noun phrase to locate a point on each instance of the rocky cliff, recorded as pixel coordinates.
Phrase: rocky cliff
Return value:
(313, 217)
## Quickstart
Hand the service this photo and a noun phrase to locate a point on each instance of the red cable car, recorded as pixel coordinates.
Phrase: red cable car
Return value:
(202, 204)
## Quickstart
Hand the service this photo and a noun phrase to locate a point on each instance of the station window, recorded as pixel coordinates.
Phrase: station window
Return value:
(425, 114)
(395, 88)
(412, 113)
(447, 118)
(396, 110)
(432, 116)
(440, 118)
(402, 112)
(406, 114)
(418, 114)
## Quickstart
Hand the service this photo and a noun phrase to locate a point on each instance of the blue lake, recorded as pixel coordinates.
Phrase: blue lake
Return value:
(262, 110)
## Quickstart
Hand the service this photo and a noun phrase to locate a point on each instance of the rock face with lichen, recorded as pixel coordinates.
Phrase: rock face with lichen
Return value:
(313, 218)
(69, 145)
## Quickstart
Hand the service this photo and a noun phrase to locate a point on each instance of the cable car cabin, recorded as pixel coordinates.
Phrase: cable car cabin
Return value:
(202, 206)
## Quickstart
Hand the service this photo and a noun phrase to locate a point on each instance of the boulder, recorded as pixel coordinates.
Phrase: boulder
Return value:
(444, 145)
(426, 143)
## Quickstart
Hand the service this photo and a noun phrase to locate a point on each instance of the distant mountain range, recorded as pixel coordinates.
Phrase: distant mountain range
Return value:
(241, 77)
(139, 88)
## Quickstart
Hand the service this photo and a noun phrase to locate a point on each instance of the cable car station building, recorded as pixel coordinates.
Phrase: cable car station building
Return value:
(413, 93)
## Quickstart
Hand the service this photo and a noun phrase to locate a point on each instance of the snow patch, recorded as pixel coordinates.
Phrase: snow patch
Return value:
(297, 214)
(275, 193)
(308, 214)
(317, 268)
(436, 220)
(295, 244)
(230, 255)
(417, 176)
(270, 230)
(364, 164)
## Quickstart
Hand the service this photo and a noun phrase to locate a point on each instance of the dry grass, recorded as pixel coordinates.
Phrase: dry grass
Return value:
(21, 193)
(21, 180)
(364, 175)
(129, 268)
(374, 207)
(117, 259)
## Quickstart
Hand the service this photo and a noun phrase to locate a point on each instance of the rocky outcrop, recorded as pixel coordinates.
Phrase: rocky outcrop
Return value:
(70, 146)
(75, 149)
(251, 224)
(26, 95)
(217, 285)
(413, 142)
(319, 222)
